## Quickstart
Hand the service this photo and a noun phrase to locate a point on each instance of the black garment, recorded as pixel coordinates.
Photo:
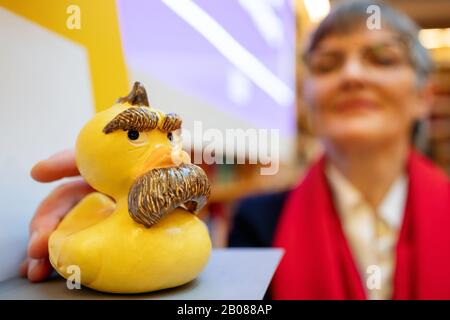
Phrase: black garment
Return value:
(255, 220)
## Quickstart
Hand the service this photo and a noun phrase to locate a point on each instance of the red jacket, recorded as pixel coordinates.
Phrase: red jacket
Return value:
(318, 263)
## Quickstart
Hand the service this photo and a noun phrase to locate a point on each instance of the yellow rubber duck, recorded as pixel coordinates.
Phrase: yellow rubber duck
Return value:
(139, 232)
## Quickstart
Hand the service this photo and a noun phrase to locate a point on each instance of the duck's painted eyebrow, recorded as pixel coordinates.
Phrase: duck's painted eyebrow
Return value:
(143, 119)
(135, 118)
(170, 122)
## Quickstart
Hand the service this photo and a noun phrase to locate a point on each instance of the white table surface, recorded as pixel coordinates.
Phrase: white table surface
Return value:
(234, 273)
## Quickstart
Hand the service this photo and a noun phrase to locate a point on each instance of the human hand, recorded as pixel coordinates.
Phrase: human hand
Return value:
(36, 267)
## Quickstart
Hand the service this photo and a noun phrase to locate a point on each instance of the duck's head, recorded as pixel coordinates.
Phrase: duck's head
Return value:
(134, 150)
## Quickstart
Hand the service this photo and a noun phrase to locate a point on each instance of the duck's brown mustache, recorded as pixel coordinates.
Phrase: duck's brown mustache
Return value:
(161, 190)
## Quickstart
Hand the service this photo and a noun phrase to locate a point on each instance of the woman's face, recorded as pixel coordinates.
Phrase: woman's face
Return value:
(362, 89)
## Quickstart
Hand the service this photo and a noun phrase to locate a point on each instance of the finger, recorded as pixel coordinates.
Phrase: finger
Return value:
(23, 269)
(65, 195)
(39, 270)
(38, 245)
(49, 213)
(59, 165)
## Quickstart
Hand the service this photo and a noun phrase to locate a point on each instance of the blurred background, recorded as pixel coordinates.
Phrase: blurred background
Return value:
(229, 64)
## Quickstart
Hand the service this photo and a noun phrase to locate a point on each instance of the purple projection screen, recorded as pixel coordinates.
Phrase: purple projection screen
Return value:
(236, 55)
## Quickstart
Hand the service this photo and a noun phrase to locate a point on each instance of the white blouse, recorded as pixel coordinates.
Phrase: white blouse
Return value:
(372, 233)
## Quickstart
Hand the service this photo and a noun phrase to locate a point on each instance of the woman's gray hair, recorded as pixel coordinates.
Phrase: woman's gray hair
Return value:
(348, 14)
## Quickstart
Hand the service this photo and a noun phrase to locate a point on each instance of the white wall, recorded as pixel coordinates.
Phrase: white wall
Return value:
(45, 98)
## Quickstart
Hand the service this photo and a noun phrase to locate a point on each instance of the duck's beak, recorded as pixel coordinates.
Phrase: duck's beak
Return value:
(164, 156)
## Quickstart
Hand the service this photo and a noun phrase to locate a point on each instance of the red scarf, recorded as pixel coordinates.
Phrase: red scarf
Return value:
(318, 263)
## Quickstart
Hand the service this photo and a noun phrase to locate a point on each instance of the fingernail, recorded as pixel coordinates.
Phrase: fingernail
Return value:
(31, 265)
(33, 238)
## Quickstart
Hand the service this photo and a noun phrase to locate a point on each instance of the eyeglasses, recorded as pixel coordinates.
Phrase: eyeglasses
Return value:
(381, 56)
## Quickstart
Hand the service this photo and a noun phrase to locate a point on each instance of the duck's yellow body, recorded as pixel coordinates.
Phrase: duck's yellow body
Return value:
(113, 252)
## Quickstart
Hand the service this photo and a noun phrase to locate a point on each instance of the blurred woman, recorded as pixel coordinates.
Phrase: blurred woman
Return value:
(371, 219)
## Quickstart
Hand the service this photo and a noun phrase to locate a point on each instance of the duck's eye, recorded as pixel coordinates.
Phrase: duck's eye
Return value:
(170, 136)
(133, 134)
(137, 138)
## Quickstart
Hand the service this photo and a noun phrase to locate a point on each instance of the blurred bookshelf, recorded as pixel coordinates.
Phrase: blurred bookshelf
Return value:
(232, 182)
(439, 128)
